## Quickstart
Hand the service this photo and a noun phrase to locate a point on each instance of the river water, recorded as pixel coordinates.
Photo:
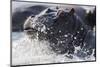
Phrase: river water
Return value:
(26, 51)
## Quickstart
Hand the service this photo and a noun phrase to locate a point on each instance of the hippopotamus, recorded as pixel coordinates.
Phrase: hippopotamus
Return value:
(63, 28)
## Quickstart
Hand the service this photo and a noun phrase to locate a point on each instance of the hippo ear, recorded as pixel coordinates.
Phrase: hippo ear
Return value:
(72, 11)
(57, 7)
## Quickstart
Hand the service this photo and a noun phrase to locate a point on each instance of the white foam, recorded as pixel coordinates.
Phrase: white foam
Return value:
(27, 51)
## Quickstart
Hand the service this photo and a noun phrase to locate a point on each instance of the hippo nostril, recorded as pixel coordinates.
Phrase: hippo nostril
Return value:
(60, 13)
(32, 16)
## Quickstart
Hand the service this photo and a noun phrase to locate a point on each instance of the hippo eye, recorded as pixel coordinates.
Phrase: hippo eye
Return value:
(50, 10)
(32, 16)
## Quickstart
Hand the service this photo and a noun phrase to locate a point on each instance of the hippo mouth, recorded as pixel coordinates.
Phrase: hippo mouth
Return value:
(30, 30)
(35, 34)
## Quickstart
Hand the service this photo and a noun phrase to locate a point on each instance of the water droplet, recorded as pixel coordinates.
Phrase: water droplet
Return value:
(78, 32)
(81, 28)
(51, 32)
(75, 38)
(66, 35)
(71, 36)
(59, 30)
(48, 28)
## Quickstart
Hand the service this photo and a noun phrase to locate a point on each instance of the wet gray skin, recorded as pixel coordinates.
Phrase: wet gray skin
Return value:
(62, 28)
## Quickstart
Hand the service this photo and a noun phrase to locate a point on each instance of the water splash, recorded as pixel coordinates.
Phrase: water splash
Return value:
(27, 51)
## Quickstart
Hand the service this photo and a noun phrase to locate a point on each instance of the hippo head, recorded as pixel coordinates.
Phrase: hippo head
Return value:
(61, 27)
(47, 19)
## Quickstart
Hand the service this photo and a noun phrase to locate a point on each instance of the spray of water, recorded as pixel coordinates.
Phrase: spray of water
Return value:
(32, 51)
